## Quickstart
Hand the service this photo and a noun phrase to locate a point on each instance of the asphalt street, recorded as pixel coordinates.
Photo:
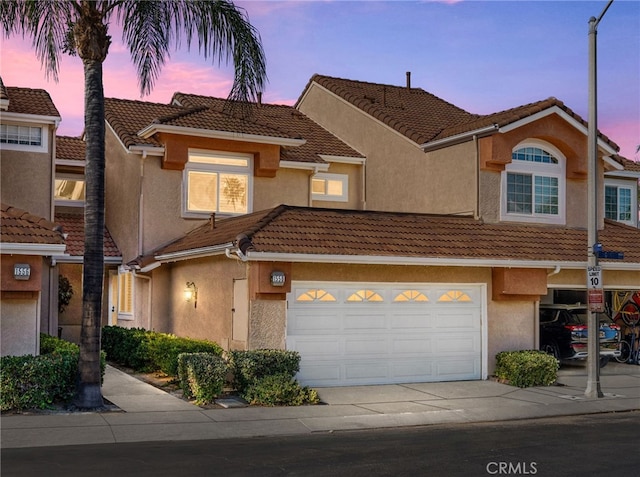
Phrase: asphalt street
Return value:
(595, 444)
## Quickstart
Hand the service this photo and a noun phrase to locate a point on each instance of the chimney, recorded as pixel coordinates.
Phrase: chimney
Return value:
(212, 221)
(408, 79)
(259, 98)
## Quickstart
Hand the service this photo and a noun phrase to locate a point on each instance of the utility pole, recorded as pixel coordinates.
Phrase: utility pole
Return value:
(593, 340)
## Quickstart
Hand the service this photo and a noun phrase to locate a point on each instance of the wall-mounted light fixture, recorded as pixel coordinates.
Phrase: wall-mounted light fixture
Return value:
(191, 293)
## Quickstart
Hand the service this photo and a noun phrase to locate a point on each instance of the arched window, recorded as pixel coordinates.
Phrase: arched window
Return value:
(533, 184)
(315, 295)
(364, 295)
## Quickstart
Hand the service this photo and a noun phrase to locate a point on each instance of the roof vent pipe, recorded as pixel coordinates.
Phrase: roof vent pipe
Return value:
(259, 98)
(408, 79)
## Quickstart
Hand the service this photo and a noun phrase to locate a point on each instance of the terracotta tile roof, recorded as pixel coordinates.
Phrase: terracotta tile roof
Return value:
(30, 101)
(70, 148)
(19, 226)
(284, 118)
(3, 90)
(413, 112)
(73, 226)
(423, 117)
(302, 230)
(629, 165)
(128, 117)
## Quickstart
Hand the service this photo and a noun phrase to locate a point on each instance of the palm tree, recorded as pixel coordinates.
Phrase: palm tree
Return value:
(150, 28)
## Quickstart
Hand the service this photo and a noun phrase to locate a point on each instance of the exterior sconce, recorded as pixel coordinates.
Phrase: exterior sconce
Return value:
(191, 293)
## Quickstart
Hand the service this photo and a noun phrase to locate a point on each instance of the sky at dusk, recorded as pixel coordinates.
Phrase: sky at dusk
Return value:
(483, 56)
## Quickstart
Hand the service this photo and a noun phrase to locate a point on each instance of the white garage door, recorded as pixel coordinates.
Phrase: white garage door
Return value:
(373, 333)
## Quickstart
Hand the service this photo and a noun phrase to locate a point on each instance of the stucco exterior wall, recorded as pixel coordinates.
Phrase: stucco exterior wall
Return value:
(399, 175)
(267, 324)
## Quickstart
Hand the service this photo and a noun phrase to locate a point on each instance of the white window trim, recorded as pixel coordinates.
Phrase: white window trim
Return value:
(125, 315)
(65, 202)
(621, 184)
(536, 169)
(343, 178)
(214, 168)
(43, 147)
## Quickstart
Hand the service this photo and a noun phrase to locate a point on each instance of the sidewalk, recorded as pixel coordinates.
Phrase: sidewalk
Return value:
(145, 413)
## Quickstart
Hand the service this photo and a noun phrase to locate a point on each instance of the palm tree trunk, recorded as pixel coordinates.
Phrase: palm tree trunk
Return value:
(89, 394)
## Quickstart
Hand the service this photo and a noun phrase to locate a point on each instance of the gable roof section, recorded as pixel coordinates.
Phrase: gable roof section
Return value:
(413, 112)
(319, 141)
(73, 227)
(423, 117)
(22, 232)
(70, 149)
(354, 236)
(35, 102)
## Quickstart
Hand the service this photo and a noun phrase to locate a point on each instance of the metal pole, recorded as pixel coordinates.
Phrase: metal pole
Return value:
(593, 389)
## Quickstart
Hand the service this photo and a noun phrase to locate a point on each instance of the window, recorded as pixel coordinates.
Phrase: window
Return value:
(217, 182)
(533, 185)
(334, 187)
(364, 295)
(23, 137)
(125, 293)
(618, 203)
(69, 190)
(315, 295)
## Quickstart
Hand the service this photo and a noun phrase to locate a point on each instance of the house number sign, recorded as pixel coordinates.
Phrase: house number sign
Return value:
(21, 271)
(277, 279)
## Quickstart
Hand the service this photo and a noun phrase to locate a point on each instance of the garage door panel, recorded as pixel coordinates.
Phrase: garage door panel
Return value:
(368, 345)
(392, 334)
(411, 320)
(315, 322)
(364, 321)
(316, 347)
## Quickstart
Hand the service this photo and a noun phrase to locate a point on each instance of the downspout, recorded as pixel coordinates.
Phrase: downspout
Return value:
(311, 176)
(536, 311)
(364, 185)
(52, 325)
(141, 206)
(476, 212)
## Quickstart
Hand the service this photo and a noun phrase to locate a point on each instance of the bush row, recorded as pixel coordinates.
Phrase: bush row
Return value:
(527, 368)
(149, 351)
(36, 382)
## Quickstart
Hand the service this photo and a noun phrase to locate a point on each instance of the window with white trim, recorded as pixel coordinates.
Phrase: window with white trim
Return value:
(533, 185)
(69, 190)
(330, 187)
(23, 137)
(125, 293)
(217, 182)
(619, 202)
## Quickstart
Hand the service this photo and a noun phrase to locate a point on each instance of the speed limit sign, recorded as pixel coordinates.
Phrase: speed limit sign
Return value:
(594, 278)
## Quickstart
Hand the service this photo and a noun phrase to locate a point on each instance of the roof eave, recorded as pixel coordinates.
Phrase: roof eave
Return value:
(194, 253)
(458, 138)
(45, 250)
(214, 134)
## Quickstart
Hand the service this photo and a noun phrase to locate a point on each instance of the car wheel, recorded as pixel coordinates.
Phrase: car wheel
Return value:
(552, 349)
(603, 361)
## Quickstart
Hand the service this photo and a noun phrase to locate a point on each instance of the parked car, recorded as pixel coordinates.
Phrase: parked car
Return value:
(564, 331)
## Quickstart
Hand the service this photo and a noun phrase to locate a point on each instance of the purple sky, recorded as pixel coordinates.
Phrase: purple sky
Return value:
(483, 56)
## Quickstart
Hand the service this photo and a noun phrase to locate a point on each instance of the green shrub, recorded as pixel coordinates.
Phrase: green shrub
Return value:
(149, 351)
(127, 346)
(164, 350)
(279, 389)
(249, 366)
(37, 382)
(527, 368)
(202, 376)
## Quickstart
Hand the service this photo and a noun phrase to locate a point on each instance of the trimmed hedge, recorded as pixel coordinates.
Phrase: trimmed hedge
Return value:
(37, 382)
(149, 351)
(527, 368)
(279, 389)
(202, 376)
(249, 366)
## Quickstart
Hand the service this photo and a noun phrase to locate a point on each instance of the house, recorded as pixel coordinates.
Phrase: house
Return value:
(28, 123)
(384, 233)
(41, 184)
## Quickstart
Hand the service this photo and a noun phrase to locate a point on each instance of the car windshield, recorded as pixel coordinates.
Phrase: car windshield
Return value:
(577, 317)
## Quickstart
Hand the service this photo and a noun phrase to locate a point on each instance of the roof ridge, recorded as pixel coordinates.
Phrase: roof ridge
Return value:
(180, 114)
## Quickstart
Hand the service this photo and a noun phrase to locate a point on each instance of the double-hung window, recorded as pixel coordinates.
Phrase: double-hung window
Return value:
(533, 185)
(618, 203)
(217, 182)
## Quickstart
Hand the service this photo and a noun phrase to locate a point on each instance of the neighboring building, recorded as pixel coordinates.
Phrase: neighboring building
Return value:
(28, 123)
(42, 175)
(27, 243)
(385, 234)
